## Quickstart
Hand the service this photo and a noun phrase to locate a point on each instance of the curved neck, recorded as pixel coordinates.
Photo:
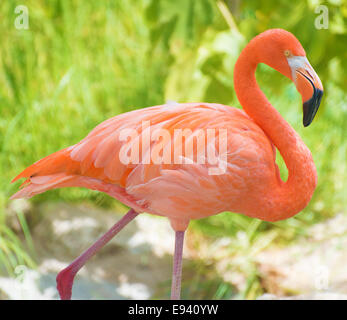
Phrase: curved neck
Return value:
(292, 196)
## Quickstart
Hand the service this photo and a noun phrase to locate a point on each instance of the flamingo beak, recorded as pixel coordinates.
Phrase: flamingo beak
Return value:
(309, 86)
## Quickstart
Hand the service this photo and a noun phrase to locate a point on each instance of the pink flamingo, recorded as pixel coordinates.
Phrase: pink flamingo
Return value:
(250, 183)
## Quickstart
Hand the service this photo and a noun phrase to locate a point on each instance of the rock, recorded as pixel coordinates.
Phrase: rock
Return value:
(312, 267)
(315, 263)
(36, 285)
(138, 261)
(131, 266)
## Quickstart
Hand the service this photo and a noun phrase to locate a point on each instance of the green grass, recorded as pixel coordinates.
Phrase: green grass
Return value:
(80, 64)
(76, 66)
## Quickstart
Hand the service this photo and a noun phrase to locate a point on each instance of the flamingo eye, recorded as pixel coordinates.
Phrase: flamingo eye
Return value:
(287, 53)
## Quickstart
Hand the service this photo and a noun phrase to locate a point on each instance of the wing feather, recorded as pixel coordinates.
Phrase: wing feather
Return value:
(164, 188)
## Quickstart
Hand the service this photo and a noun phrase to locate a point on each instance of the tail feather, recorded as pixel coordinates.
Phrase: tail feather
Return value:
(41, 184)
(47, 173)
(36, 185)
(59, 170)
(52, 164)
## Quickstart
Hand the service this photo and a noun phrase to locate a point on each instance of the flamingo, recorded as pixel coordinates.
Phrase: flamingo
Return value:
(250, 183)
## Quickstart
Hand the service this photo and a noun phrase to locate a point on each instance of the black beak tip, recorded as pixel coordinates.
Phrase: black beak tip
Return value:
(306, 124)
(310, 107)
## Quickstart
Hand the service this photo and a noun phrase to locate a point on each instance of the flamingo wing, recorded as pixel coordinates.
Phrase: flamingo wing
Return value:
(160, 188)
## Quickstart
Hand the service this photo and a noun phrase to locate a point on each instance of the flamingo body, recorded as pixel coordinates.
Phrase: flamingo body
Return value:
(178, 191)
(250, 182)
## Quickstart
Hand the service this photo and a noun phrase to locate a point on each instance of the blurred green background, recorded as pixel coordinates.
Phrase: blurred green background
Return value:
(80, 63)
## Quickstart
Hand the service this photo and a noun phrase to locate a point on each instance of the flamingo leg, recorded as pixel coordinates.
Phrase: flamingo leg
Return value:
(177, 266)
(66, 277)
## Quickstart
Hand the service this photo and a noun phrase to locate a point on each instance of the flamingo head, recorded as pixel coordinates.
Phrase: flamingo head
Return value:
(282, 51)
(308, 84)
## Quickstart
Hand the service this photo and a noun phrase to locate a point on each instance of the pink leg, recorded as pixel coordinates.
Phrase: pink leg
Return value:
(66, 277)
(177, 266)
